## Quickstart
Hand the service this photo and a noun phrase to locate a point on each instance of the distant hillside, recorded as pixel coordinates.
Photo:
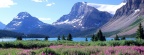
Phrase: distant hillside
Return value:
(126, 20)
(6, 33)
(2, 26)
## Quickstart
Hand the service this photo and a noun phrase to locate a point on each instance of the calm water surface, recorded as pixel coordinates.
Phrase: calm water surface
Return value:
(54, 39)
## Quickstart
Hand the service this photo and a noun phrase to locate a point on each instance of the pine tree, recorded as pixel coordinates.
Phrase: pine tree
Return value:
(100, 36)
(19, 38)
(63, 37)
(123, 38)
(69, 38)
(104, 39)
(58, 38)
(116, 38)
(46, 38)
(86, 39)
(93, 38)
(140, 33)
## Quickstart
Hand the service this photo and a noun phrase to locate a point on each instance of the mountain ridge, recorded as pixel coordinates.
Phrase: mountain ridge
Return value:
(24, 22)
(80, 14)
(85, 19)
(2, 26)
(126, 19)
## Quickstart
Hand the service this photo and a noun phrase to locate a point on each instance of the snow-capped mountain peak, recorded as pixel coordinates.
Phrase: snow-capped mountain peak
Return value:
(81, 9)
(83, 16)
(24, 22)
(22, 15)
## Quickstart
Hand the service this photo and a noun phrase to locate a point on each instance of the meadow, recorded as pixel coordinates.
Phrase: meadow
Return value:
(121, 47)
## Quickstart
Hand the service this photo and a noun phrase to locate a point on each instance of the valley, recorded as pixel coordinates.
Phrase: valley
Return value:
(87, 29)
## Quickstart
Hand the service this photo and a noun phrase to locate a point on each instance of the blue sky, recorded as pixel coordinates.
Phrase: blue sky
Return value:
(47, 11)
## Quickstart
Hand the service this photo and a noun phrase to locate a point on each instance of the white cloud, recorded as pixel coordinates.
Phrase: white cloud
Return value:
(6, 3)
(50, 4)
(44, 19)
(40, 0)
(106, 7)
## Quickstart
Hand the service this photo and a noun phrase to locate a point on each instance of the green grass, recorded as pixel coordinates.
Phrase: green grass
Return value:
(25, 44)
(41, 44)
(77, 50)
(138, 21)
(108, 34)
(11, 51)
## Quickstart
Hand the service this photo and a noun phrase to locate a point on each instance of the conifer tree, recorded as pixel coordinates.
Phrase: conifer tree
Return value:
(46, 38)
(63, 37)
(19, 38)
(69, 38)
(100, 36)
(140, 34)
(86, 39)
(93, 38)
(116, 38)
(123, 38)
(58, 38)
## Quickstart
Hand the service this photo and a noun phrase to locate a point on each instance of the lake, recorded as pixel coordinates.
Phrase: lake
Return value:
(54, 39)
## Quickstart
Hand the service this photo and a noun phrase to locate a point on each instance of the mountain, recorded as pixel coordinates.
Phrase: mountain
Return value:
(24, 22)
(126, 20)
(82, 20)
(83, 17)
(2, 25)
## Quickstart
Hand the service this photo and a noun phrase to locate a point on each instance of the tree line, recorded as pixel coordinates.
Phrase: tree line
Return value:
(6, 33)
(95, 37)
(100, 37)
(69, 37)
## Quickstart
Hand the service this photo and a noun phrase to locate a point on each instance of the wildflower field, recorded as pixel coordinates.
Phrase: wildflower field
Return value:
(122, 47)
(76, 50)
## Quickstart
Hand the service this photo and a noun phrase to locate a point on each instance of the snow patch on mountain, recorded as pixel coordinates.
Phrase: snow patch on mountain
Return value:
(22, 15)
(70, 21)
(17, 24)
(107, 7)
(137, 10)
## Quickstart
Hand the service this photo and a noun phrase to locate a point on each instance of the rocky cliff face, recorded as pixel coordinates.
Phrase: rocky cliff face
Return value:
(130, 7)
(83, 16)
(126, 19)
